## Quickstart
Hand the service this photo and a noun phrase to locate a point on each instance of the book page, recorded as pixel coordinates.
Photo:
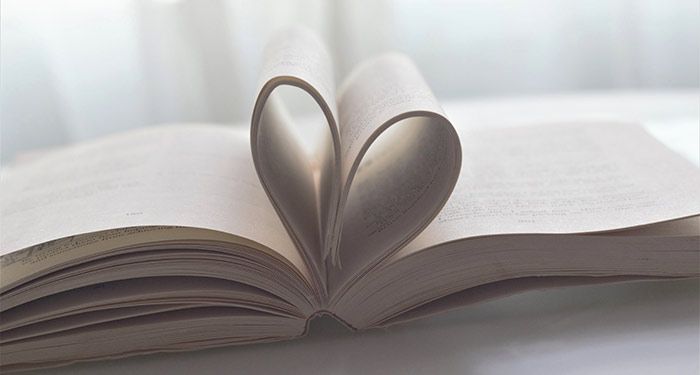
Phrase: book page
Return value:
(563, 178)
(193, 176)
(302, 188)
(400, 160)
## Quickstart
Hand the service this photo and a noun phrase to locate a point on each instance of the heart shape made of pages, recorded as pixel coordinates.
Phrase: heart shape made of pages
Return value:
(386, 166)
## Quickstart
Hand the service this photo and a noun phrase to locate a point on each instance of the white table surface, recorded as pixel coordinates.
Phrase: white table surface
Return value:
(630, 328)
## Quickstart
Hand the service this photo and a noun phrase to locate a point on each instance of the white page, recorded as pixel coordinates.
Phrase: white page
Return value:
(296, 57)
(193, 176)
(563, 178)
(391, 190)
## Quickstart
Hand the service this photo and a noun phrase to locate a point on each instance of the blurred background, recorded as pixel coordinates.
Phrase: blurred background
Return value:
(76, 69)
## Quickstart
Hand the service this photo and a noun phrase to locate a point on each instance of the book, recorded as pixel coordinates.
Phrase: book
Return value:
(184, 237)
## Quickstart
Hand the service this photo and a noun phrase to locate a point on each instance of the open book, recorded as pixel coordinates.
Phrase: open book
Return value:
(192, 236)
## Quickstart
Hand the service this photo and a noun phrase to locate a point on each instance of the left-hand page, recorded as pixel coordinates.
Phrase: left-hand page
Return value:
(198, 176)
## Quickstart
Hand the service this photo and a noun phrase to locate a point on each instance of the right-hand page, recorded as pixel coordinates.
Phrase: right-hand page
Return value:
(563, 178)
(400, 162)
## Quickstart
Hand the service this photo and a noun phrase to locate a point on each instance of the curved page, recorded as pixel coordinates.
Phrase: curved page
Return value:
(191, 176)
(297, 58)
(400, 161)
(563, 178)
